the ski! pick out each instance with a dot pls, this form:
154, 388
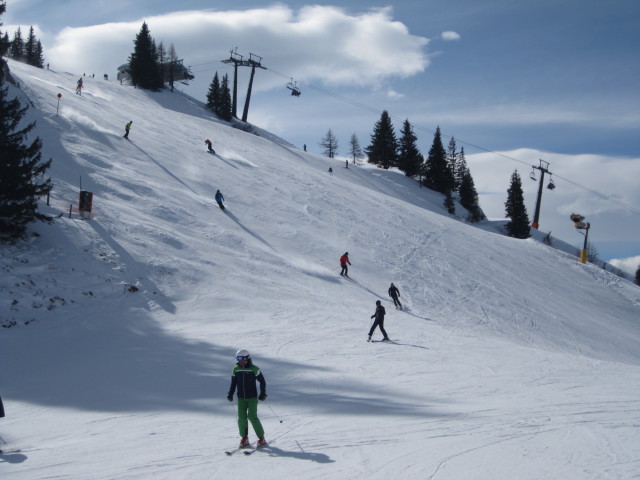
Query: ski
236, 450
246, 450
255, 449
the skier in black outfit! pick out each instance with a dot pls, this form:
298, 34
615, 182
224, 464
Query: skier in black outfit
219, 199
379, 321
395, 293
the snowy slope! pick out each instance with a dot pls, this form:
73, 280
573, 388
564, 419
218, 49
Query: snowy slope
511, 359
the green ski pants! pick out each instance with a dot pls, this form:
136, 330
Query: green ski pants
248, 412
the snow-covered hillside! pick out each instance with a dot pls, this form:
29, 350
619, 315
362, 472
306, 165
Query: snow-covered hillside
510, 359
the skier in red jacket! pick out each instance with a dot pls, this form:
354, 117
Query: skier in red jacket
344, 259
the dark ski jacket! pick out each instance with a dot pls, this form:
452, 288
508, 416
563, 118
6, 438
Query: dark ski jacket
394, 292
219, 197
244, 379
380, 313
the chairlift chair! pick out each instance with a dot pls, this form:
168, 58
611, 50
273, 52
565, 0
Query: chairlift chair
551, 185
295, 91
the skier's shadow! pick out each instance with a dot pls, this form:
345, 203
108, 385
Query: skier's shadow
253, 234
314, 457
226, 161
12, 457
366, 289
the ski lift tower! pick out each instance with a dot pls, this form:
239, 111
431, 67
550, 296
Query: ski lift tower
544, 168
237, 60
255, 62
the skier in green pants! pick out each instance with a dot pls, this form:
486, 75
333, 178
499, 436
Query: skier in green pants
244, 377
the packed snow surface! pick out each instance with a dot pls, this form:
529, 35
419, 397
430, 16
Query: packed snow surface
510, 360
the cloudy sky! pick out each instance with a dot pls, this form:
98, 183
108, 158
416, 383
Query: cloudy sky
513, 82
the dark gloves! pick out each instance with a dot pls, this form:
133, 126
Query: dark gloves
262, 397
372, 315
230, 397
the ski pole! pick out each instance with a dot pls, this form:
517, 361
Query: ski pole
274, 413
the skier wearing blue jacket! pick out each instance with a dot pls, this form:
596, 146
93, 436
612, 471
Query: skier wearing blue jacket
219, 199
243, 377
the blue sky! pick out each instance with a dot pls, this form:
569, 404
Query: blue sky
533, 79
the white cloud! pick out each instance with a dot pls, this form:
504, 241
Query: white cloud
629, 265
320, 43
393, 95
450, 36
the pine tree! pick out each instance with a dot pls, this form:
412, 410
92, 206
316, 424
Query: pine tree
143, 62
468, 194
21, 170
330, 144
355, 151
38, 58
452, 160
383, 150
16, 50
449, 203
460, 169
409, 157
213, 95
225, 108
5, 43
30, 47
437, 174
516, 210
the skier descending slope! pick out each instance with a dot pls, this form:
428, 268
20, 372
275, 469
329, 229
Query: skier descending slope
244, 377
344, 259
219, 199
394, 293
378, 322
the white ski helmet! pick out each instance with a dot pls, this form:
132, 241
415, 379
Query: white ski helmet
242, 354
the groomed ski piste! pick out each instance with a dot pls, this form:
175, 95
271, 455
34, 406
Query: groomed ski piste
510, 360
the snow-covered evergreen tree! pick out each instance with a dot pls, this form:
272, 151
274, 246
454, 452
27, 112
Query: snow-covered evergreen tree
437, 174
409, 157
22, 172
225, 107
213, 94
143, 62
16, 50
467, 191
516, 210
383, 150
452, 160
